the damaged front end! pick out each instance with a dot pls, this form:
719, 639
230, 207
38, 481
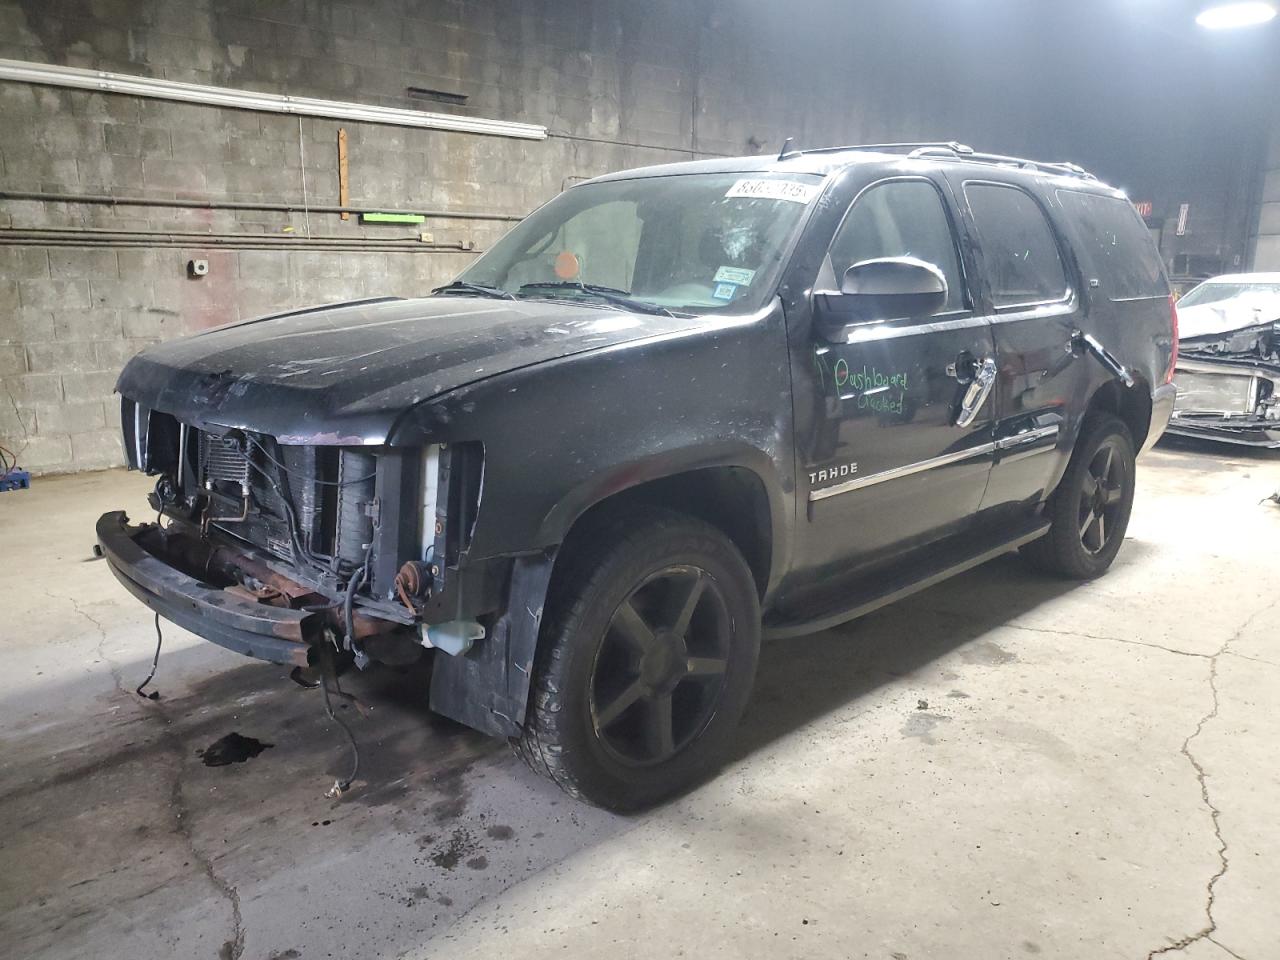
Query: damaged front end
291, 553
1229, 386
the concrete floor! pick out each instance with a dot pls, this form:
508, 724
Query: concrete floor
1004, 766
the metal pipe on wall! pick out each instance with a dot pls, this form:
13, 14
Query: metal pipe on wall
55, 75
193, 204
237, 241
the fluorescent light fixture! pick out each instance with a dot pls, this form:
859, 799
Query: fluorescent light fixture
1227, 16
56, 76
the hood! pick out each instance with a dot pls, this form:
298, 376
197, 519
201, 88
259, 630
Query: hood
1226, 316
341, 374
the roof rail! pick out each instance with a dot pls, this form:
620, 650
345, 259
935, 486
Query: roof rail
951, 145
950, 149
1063, 169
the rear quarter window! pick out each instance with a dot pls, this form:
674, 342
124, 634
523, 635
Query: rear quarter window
1115, 245
1019, 249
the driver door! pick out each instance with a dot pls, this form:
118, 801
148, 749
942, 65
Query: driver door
885, 467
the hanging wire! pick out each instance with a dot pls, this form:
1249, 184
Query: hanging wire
155, 662
339, 786
355, 583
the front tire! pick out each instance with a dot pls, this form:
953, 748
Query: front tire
1090, 508
645, 661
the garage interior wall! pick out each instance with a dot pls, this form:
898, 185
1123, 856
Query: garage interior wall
618, 83
1266, 250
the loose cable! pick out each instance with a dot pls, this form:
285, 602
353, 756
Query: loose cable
155, 663
155, 660
356, 582
339, 786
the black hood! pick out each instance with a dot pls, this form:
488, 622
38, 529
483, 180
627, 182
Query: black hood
341, 374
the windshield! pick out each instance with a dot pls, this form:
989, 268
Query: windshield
690, 243
1210, 292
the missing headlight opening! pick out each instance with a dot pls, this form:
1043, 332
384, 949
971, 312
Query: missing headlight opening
315, 556
320, 531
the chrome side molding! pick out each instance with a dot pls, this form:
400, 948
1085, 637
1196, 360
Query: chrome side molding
857, 483
1030, 436
1005, 443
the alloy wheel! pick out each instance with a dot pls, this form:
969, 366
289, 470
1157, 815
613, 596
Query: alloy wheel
1101, 497
660, 668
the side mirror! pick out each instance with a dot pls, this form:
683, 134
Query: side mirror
890, 288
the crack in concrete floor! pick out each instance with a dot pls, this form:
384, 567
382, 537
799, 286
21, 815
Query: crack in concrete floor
1215, 814
102, 635
233, 948
1211, 926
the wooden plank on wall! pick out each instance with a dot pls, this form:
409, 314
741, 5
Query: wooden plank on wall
344, 192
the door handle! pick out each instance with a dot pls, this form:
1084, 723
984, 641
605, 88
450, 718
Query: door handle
976, 394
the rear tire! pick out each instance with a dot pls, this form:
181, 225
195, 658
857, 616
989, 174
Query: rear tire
1090, 508
645, 661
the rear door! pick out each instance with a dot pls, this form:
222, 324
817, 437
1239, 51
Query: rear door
1030, 296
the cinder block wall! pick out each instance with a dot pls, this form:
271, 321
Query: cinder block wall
84, 286
619, 83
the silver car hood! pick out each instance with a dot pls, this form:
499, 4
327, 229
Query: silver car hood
1227, 316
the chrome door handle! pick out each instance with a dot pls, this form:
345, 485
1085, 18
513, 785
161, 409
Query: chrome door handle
976, 395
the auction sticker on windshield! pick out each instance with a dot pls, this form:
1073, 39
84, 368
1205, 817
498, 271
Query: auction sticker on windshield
791, 190
736, 275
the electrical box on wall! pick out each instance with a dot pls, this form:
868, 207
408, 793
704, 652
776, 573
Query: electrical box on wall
197, 268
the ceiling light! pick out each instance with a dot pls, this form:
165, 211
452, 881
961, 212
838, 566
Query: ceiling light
1225, 16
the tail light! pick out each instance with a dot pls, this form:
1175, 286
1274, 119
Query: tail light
1173, 331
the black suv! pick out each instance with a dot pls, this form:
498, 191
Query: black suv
673, 410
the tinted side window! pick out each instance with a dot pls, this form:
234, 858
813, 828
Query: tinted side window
1018, 246
1117, 245
901, 218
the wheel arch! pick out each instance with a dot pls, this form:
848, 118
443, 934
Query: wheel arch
732, 495
1131, 404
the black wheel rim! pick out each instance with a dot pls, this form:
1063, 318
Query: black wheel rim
660, 668
1101, 498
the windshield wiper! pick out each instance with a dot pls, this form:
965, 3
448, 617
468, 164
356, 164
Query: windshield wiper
621, 298
462, 286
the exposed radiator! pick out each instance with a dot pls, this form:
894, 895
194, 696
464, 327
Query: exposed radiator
319, 498
222, 462
355, 525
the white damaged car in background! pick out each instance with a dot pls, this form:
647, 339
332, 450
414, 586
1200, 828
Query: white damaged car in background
1228, 372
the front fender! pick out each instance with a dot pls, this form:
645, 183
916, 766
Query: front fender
561, 436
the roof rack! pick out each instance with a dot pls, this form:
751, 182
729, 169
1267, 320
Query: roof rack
950, 149
968, 153
940, 144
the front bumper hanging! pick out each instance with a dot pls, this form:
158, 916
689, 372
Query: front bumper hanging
276, 634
